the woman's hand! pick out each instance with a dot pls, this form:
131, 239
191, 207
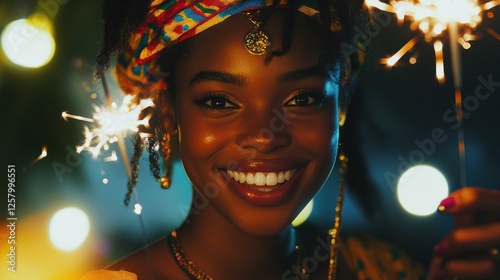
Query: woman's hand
471, 249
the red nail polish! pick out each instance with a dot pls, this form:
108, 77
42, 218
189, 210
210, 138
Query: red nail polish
442, 248
447, 203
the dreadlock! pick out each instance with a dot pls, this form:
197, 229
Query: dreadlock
288, 28
138, 149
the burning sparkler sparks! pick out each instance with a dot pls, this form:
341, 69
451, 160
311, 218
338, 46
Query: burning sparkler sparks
37, 159
433, 17
111, 123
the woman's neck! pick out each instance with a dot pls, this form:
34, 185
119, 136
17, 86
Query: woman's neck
223, 251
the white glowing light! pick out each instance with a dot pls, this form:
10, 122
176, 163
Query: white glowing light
420, 190
111, 124
304, 214
68, 229
137, 209
112, 157
436, 14
41, 156
438, 51
27, 44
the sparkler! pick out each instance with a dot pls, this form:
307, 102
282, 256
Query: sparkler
433, 17
111, 123
41, 156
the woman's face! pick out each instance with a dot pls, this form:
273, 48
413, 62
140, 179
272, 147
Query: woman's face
257, 139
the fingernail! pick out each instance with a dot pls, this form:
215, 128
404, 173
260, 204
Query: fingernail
447, 204
441, 248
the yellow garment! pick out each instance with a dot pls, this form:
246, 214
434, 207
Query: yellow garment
109, 275
370, 258
373, 259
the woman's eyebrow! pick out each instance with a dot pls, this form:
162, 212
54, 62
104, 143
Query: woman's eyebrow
300, 74
217, 76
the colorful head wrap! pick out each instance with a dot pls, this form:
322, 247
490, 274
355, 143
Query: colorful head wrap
169, 22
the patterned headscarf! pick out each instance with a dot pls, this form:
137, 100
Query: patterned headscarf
169, 22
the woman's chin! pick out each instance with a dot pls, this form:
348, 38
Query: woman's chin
263, 227
266, 232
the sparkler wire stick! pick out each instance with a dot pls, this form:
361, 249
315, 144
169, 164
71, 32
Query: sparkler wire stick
123, 151
457, 82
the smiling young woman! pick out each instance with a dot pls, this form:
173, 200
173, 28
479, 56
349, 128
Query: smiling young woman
255, 91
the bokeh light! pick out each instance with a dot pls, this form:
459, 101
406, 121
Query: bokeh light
68, 229
137, 209
28, 44
421, 188
304, 214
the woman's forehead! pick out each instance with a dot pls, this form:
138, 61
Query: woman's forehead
223, 45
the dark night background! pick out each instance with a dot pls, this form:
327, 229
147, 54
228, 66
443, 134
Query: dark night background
393, 108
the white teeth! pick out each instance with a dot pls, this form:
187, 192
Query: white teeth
271, 179
288, 175
250, 179
281, 177
242, 178
261, 178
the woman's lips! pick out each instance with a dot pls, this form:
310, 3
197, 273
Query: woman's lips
264, 183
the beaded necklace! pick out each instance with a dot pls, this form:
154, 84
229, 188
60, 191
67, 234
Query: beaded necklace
195, 273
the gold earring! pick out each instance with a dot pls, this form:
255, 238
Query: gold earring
256, 41
166, 150
334, 232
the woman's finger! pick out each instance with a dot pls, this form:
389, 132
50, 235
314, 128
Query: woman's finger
471, 200
434, 268
479, 238
465, 220
470, 268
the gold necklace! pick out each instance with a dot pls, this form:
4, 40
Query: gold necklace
196, 273
183, 261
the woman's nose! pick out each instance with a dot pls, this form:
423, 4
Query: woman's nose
265, 131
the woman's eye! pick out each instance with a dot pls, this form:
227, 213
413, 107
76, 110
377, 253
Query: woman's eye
216, 101
306, 98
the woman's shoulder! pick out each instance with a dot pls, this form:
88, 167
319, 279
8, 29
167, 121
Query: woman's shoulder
152, 262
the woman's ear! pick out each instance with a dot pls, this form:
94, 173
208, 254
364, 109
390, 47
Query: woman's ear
166, 110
